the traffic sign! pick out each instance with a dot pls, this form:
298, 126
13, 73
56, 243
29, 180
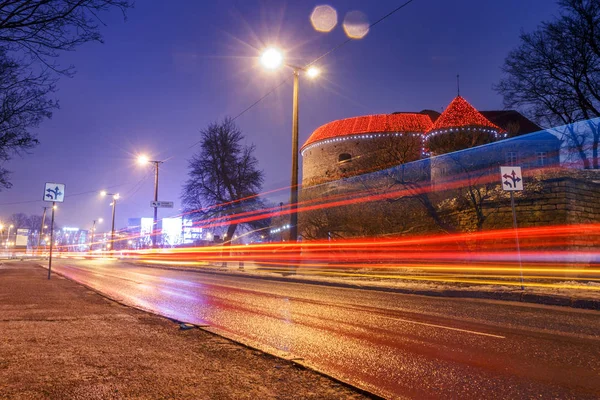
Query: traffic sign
161, 204
511, 178
54, 192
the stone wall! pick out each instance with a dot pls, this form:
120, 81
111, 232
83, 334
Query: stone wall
377, 208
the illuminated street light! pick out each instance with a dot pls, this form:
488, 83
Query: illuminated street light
312, 72
93, 231
271, 59
115, 197
8, 235
142, 159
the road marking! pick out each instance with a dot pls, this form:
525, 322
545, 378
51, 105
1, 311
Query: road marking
444, 327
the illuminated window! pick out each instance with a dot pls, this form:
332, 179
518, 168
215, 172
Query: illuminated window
541, 158
344, 158
511, 158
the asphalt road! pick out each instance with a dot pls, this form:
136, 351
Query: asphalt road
394, 345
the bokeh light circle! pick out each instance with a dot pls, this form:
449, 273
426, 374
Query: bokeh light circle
356, 25
324, 18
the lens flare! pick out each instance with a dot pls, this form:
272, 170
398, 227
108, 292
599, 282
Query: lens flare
356, 25
324, 18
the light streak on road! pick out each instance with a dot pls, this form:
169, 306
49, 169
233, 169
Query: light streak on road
480, 258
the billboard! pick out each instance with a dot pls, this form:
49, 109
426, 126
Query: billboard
22, 238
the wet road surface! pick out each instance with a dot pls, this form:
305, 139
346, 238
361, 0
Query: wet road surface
394, 345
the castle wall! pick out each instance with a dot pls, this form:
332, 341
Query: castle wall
354, 155
551, 198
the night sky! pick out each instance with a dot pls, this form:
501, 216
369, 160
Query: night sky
169, 70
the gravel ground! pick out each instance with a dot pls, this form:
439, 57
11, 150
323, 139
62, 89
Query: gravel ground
59, 340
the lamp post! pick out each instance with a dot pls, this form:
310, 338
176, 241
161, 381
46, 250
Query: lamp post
272, 59
144, 160
93, 231
41, 229
115, 197
8, 235
51, 239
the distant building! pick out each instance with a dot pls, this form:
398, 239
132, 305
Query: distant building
172, 231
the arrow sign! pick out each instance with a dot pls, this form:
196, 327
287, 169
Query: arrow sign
54, 192
511, 178
161, 204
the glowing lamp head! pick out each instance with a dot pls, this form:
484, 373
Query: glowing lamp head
100, 220
271, 58
143, 159
116, 196
313, 72
103, 193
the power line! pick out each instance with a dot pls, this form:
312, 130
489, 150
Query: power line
70, 195
311, 63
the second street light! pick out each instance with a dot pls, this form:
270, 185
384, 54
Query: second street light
144, 160
93, 231
8, 235
272, 59
115, 197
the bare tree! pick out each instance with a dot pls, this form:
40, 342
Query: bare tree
23, 105
32, 35
554, 75
35, 222
44, 28
224, 181
19, 221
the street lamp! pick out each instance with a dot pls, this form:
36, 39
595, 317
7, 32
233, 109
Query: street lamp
93, 231
8, 234
115, 197
272, 59
143, 160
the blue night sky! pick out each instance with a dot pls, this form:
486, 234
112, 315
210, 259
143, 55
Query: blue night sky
169, 70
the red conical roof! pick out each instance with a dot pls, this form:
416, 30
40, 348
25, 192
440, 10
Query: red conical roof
462, 114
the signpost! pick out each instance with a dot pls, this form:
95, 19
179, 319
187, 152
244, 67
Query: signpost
161, 204
55, 193
512, 181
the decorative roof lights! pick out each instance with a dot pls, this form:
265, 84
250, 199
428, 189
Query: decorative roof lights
369, 125
358, 137
462, 116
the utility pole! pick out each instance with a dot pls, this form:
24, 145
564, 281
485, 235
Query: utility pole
51, 240
92, 234
41, 229
112, 229
155, 220
115, 197
294, 180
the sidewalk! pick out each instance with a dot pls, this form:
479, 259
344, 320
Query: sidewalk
59, 340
